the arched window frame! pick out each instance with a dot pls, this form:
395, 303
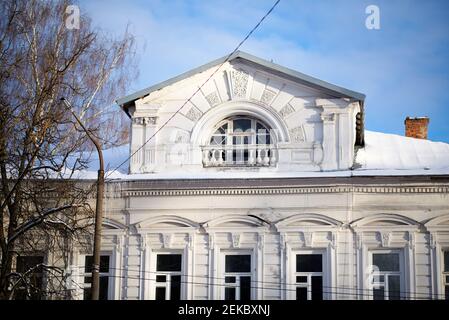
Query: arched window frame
249, 147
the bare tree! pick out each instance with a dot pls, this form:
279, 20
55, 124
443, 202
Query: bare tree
42, 208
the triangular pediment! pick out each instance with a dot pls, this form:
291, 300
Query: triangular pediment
241, 72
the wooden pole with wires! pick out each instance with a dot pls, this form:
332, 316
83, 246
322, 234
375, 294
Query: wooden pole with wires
98, 210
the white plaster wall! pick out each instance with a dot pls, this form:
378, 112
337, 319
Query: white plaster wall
346, 246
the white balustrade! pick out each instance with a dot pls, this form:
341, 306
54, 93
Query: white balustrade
262, 155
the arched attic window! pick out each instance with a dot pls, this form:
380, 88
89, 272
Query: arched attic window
240, 141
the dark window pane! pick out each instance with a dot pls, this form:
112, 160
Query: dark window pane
379, 294
88, 261
446, 261
88, 279
394, 287
229, 279
317, 288
309, 263
447, 292
242, 125
160, 293
447, 279
386, 261
104, 286
301, 279
25, 263
104, 264
238, 263
229, 293
87, 294
161, 278
245, 288
175, 288
301, 293
168, 262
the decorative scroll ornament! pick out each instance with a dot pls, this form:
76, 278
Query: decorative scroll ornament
236, 240
282, 241
261, 241
385, 239
143, 242
327, 117
190, 241
411, 240
308, 239
211, 241
167, 240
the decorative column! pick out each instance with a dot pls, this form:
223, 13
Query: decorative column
149, 157
329, 142
137, 136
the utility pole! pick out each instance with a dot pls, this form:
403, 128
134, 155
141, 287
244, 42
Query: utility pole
99, 208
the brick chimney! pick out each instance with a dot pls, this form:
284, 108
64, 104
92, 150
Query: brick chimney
416, 127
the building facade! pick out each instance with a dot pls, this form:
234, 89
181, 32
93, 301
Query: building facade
265, 185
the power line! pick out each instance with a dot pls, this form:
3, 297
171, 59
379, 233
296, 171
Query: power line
333, 290
199, 88
338, 289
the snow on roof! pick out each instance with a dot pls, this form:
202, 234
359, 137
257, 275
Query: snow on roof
383, 155
384, 151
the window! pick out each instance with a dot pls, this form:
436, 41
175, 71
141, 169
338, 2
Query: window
237, 277
168, 277
240, 141
105, 278
309, 276
32, 266
446, 274
387, 276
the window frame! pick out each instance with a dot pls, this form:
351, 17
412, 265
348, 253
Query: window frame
293, 273
153, 273
111, 274
168, 274
401, 273
40, 274
238, 275
239, 150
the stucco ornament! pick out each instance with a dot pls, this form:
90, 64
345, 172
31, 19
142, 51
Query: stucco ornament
239, 83
297, 135
213, 99
194, 114
267, 96
286, 110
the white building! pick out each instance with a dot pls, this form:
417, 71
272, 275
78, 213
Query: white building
265, 185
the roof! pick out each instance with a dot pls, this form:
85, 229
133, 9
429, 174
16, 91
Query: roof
293, 75
383, 155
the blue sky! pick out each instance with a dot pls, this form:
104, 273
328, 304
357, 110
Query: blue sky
403, 68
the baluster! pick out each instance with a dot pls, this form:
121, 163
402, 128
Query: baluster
206, 157
266, 158
220, 158
251, 156
273, 156
259, 158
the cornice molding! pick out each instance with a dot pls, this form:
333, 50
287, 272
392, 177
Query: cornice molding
283, 190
